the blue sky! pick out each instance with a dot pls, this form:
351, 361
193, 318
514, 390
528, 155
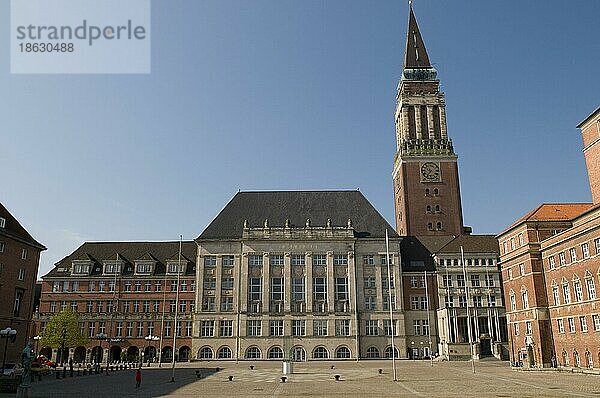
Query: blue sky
279, 94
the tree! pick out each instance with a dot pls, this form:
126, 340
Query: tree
62, 331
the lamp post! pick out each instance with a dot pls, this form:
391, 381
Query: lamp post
7, 333
102, 336
149, 338
37, 339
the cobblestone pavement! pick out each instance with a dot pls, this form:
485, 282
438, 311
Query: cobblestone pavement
414, 379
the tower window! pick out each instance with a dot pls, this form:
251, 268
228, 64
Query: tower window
438, 226
430, 226
427, 192
437, 208
428, 209
436, 192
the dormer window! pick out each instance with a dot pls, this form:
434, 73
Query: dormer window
112, 267
144, 267
81, 267
2, 222
175, 267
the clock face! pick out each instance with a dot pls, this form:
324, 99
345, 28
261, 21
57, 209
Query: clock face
430, 171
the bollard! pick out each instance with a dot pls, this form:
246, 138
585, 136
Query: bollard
283, 379
230, 378
64, 372
337, 377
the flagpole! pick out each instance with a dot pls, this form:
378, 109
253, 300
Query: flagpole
428, 319
462, 255
176, 311
387, 249
162, 321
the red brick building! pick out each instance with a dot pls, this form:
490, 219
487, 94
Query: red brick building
125, 290
550, 262
19, 261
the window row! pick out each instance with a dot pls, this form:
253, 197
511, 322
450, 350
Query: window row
469, 262
582, 321
124, 286
511, 243
275, 327
24, 252
121, 329
126, 306
297, 353
476, 301
561, 294
574, 254
476, 280
257, 260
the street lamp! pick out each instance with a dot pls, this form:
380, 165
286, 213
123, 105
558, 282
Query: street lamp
102, 336
150, 338
37, 339
7, 333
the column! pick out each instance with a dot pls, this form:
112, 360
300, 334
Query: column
287, 281
218, 276
430, 122
330, 283
266, 299
418, 122
405, 134
242, 285
308, 283
443, 132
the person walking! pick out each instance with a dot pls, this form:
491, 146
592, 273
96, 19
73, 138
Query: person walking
138, 378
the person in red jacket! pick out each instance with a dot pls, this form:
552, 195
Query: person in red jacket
138, 377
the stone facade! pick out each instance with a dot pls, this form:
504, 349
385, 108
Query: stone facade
19, 261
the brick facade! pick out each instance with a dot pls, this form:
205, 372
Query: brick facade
19, 261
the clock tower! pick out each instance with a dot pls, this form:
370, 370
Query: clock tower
426, 188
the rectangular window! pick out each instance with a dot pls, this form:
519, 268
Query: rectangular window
369, 260
551, 262
210, 261
22, 274
585, 250
298, 327
319, 259
597, 244
425, 327
460, 279
477, 301
188, 328
341, 289
17, 302
130, 329
75, 286
210, 283
24, 254
276, 259
562, 259
207, 328
387, 327
555, 295
208, 304
277, 289
158, 286
370, 303
298, 259
319, 289
386, 302
276, 327
255, 289
475, 282
384, 281
183, 286
491, 301
226, 328
254, 328
583, 323
2, 222
529, 327
417, 327
2, 246
227, 283
226, 304
126, 306
573, 254
320, 327
371, 327
561, 325
596, 320
92, 328
447, 280
340, 259
449, 301
227, 261
156, 307
567, 293
578, 291
516, 328
255, 260
489, 281
369, 282
342, 327
119, 328
591, 288
182, 306
571, 325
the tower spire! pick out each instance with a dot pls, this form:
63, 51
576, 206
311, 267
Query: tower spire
415, 56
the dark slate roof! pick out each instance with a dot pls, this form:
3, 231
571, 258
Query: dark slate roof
417, 251
297, 207
13, 229
128, 252
415, 55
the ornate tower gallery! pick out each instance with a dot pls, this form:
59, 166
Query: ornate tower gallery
426, 187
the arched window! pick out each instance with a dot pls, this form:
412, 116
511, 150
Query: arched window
388, 352
275, 353
372, 352
224, 353
426, 191
428, 209
576, 359
342, 352
430, 226
205, 353
437, 208
439, 226
436, 192
320, 353
565, 358
253, 353
525, 298
589, 359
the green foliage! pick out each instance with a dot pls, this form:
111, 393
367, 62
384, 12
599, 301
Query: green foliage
62, 331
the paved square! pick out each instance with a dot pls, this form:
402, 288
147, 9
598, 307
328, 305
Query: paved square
415, 378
